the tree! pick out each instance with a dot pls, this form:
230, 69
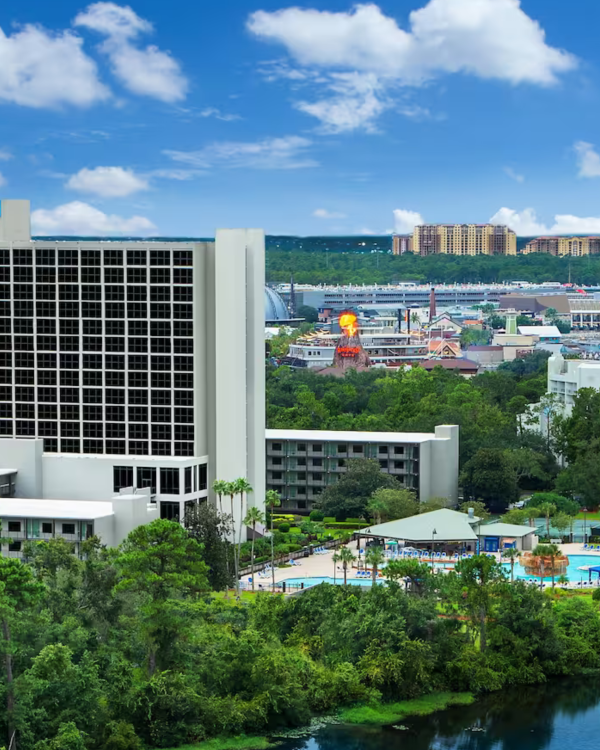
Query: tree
543, 551
242, 488
310, 314
490, 475
335, 558
516, 516
350, 495
480, 576
163, 565
272, 500
19, 594
346, 557
219, 487
546, 510
531, 513
389, 505
253, 516
518, 405
213, 530
416, 574
374, 557
561, 522
434, 503
479, 509
512, 555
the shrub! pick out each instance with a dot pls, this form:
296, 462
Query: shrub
317, 516
596, 595
286, 549
283, 527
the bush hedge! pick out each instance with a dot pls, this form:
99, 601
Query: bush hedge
283, 527
317, 516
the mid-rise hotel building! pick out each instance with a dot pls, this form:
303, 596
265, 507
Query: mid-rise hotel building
463, 239
561, 246
130, 364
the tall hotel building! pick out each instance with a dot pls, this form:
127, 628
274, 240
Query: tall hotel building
463, 239
130, 364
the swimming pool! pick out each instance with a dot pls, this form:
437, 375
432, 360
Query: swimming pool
573, 573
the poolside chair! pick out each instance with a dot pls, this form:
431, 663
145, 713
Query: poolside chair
438, 555
586, 546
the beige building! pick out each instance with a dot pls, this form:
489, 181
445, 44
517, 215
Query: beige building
402, 243
574, 246
464, 239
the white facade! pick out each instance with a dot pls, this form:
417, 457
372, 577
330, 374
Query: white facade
132, 354
74, 521
567, 376
301, 463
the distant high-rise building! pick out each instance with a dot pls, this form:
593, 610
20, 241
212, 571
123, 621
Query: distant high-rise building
402, 243
464, 239
560, 246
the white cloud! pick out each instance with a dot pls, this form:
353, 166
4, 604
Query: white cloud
78, 218
2, 180
405, 221
490, 39
40, 69
323, 213
149, 71
107, 182
5, 154
588, 159
218, 115
526, 223
178, 174
271, 153
513, 174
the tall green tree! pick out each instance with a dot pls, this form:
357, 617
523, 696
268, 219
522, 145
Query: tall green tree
253, 516
512, 555
242, 488
273, 501
163, 565
20, 593
346, 557
388, 505
213, 530
491, 476
374, 557
481, 577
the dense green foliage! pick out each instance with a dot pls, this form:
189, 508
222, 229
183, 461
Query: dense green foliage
128, 648
497, 455
381, 268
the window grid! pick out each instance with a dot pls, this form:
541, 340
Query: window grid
66, 315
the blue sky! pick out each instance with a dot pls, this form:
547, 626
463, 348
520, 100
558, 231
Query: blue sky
316, 118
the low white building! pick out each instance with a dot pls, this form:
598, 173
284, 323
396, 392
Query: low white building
73, 520
302, 463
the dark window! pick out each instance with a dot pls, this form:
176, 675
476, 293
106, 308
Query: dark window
69, 396
276, 447
317, 447
114, 362
6, 428
137, 379
184, 416
183, 276
92, 361
138, 432
160, 346
43, 326
383, 449
160, 379
161, 398
47, 411
137, 310
183, 364
69, 377
203, 477
93, 446
184, 449
383, 463
138, 448
137, 345
113, 257
91, 309
398, 464
138, 396
68, 528
158, 310
69, 343
136, 258
68, 275
68, 257
69, 429
115, 413
50, 445
25, 325
45, 275
24, 394
115, 396
22, 257
160, 294
138, 328
169, 481
92, 413
317, 462
115, 447
169, 511
161, 432
160, 257
182, 258
160, 363
160, 275
183, 312
92, 396
14, 546
14, 526
136, 276
24, 344
183, 294
92, 343
115, 379
70, 446
47, 395
184, 398
137, 362
46, 527
24, 411
184, 432
114, 293
161, 448
184, 380
93, 430
188, 480
91, 276
69, 361
357, 449
160, 414
45, 291
92, 327
146, 477
342, 448
122, 477
138, 414
115, 327
68, 292
183, 328
115, 431
90, 257
24, 377
114, 276
399, 450
114, 310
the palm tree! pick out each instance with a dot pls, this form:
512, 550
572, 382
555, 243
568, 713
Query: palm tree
547, 550
375, 557
511, 554
414, 318
531, 514
241, 487
335, 559
547, 509
345, 556
219, 487
273, 501
253, 516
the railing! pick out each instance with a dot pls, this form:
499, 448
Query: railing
304, 552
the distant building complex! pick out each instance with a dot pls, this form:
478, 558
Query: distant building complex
560, 246
301, 463
463, 239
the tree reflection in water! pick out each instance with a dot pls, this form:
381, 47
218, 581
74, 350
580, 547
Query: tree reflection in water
522, 719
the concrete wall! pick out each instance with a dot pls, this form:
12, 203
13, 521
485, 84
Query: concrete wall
444, 466
26, 456
15, 223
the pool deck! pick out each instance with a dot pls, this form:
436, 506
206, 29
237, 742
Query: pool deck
318, 566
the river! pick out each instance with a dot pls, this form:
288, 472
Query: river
563, 715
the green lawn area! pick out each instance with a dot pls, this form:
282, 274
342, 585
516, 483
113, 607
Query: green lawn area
246, 596
230, 743
595, 516
390, 713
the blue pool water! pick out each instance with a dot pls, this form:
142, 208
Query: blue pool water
573, 573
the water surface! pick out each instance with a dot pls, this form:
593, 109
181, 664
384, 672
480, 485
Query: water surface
561, 716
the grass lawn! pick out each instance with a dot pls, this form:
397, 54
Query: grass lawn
246, 596
595, 516
390, 713
230, 743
